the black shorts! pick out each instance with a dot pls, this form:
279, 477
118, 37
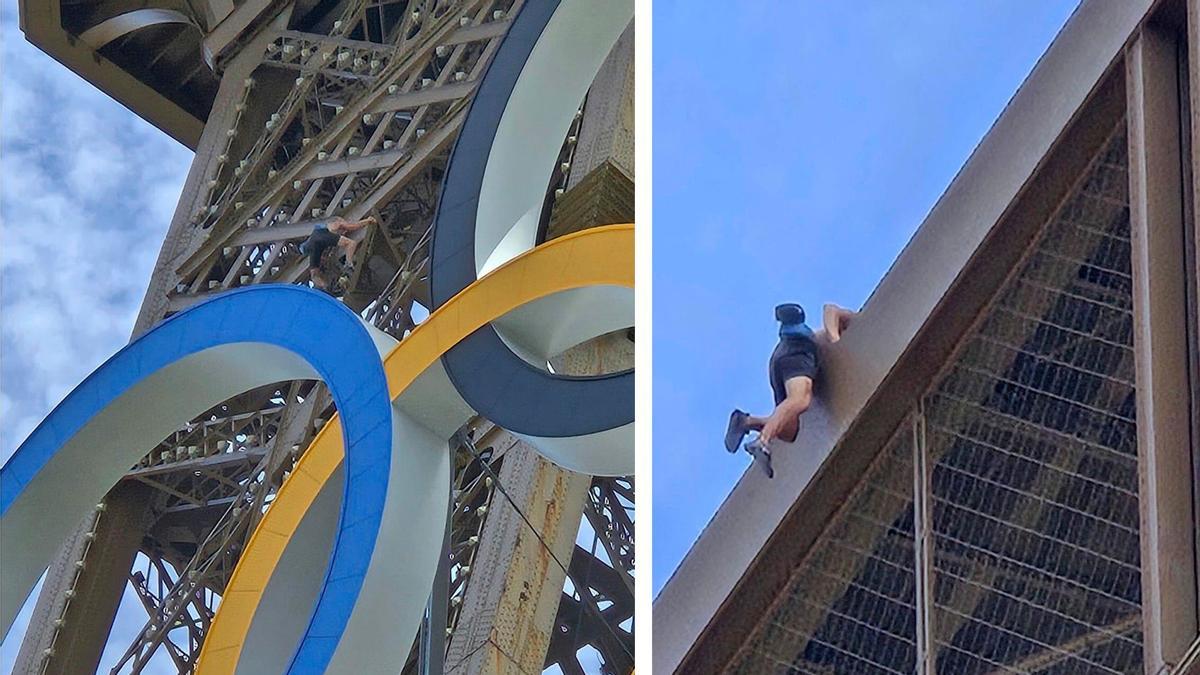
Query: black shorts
317, 242
793, 357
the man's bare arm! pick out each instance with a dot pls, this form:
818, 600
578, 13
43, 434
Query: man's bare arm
836, 319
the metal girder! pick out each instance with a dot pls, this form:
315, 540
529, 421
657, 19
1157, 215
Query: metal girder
233, 492
1161, 334
601, 575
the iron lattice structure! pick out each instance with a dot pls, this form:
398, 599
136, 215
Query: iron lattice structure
998, 531
351, 112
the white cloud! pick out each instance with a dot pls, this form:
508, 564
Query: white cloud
87, 190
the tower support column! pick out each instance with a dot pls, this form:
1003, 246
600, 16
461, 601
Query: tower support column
1161, 344
84, 586
76, 631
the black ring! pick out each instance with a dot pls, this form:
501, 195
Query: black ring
493, 380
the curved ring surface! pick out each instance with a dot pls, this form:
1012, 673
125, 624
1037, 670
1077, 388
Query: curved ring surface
177, 370
491, 203
592, 258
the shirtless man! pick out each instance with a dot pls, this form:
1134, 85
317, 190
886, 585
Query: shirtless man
793, 369
325, 235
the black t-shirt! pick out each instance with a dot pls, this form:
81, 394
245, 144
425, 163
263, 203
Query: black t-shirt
794, 356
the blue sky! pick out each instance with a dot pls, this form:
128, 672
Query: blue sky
797, 146
87, 190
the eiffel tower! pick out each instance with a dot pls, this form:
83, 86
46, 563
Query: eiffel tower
298, 111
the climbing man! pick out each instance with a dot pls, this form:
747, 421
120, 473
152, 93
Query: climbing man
793, 370
325, 236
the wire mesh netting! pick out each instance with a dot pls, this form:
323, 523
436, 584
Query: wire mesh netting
849, 608
1030, 431
1033, 439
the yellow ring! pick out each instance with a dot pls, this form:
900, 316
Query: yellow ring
600, 256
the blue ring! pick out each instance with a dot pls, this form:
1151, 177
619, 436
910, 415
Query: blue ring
305, 323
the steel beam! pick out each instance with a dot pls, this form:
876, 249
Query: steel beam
1191, 216
1160, 346
71, 623
516, 581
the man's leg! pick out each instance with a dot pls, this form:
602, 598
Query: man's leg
348, 246
739, 424
784, 422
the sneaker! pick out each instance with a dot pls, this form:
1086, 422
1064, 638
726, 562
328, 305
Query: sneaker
736, 430
761, 455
